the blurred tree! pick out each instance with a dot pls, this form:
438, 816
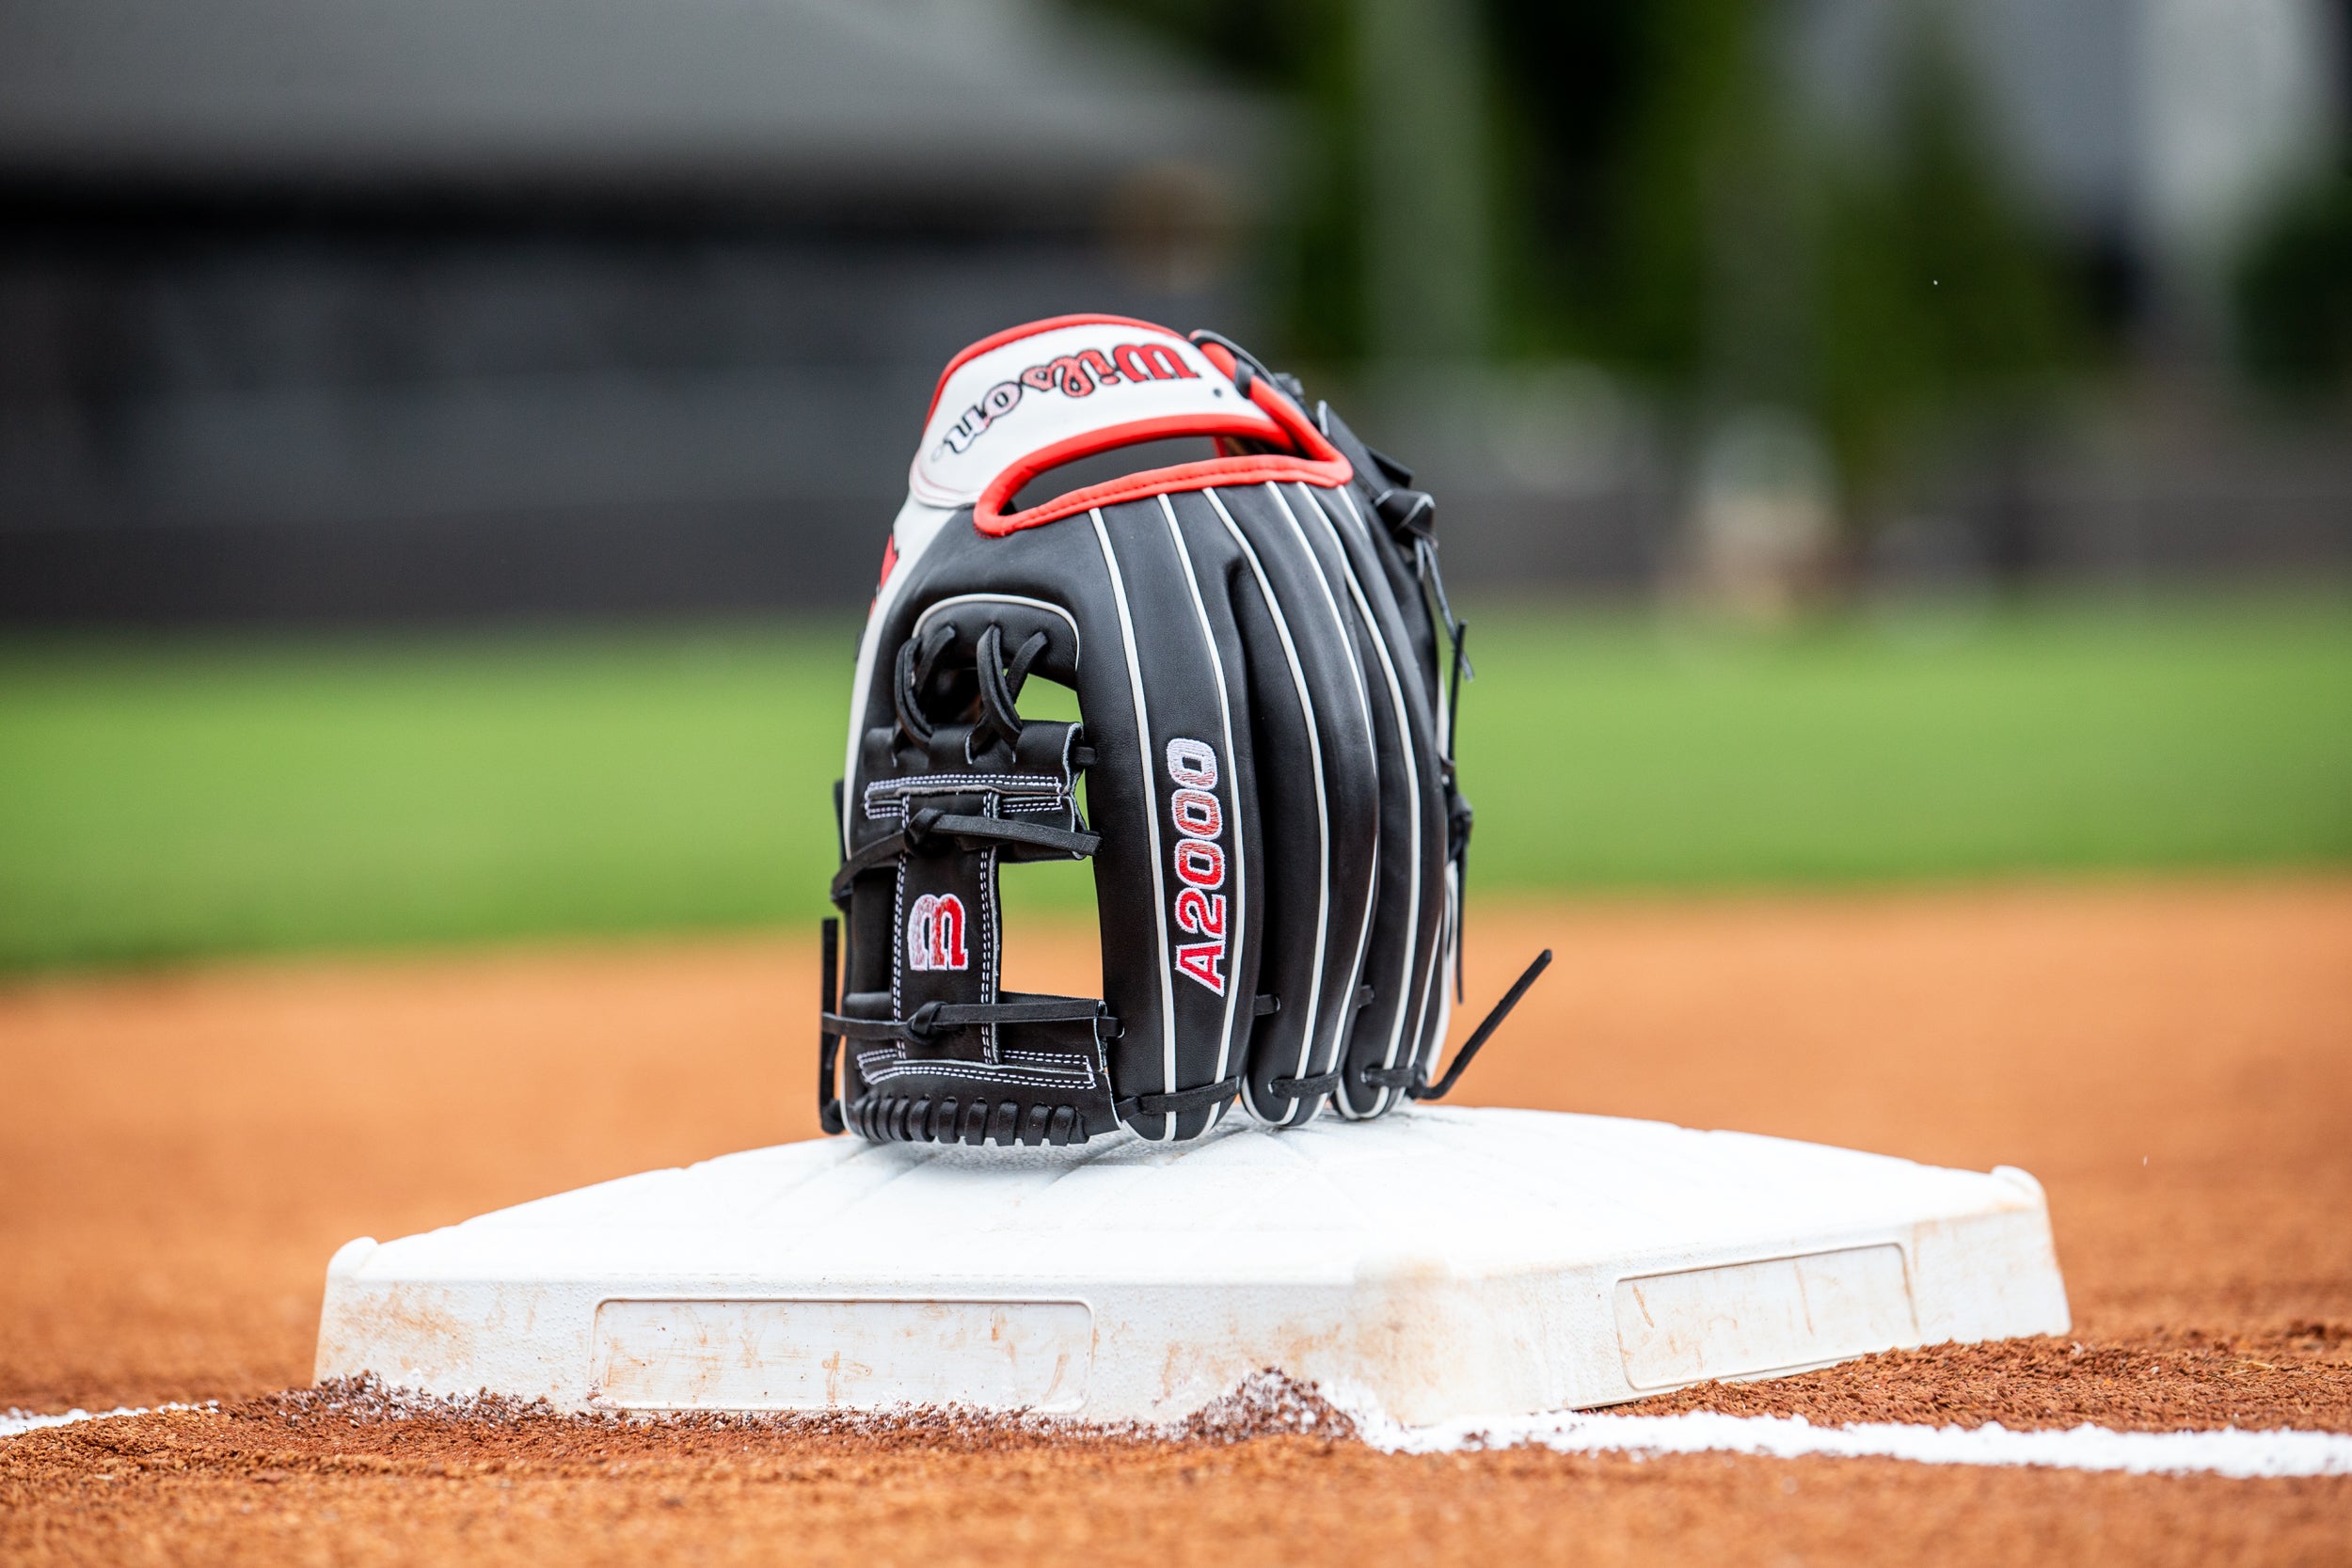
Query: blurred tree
1611, 118
2293, 292
1662, 204
1703, 233
1305, 51
1420, 125
1383, 244
1940, 303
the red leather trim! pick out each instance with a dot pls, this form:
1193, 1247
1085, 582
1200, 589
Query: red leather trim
1030, 329
1321, 465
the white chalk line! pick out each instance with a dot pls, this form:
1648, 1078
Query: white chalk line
16, 1423
2229, 1452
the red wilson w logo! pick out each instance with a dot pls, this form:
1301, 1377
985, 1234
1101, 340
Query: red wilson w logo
935, 933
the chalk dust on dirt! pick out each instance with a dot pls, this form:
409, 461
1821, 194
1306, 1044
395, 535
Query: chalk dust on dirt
2173, 1061
1268, 1403
251, 1484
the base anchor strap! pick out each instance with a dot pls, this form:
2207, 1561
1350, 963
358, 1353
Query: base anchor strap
1304, 1088
1180, 1101
861, 1028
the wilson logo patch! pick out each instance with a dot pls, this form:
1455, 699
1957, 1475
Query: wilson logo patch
1072, 375
1200, 861
935, 933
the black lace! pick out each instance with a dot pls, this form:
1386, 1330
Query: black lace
1000, 683
829, 1115
931, 828
1303, 1088
1458, 815
1405, 1078
1000, 686
1411, 515
934, 1019
1249, 366
1180, 1101
915, 666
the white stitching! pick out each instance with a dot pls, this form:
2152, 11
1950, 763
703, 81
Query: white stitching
967, 784
1081, 1076
897, 937
1034, 805
988, 931
1012, 1079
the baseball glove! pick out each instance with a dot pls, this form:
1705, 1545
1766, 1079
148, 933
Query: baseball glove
1263, 773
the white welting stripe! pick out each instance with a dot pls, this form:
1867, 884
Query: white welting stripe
1322, 801
1237, 923
1150, 813
2243, 1455
1346, 1024
1387, 1097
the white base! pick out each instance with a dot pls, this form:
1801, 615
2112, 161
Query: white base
1435, 1264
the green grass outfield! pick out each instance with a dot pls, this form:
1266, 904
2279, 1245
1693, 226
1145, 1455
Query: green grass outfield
167, 798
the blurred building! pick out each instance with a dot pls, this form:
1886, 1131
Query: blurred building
332, 308
2120, 155
402, 308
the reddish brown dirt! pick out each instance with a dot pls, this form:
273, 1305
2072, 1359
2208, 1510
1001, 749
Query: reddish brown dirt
2160, 1382
2174, 1062
208, 1488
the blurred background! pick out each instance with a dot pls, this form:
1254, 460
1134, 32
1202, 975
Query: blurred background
446, 445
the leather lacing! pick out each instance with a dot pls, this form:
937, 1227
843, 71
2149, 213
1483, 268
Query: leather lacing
934, 831
1000, 683
1411, 515
1407, 1079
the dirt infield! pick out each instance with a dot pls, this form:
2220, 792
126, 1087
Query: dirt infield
2173, 1061
195, 1488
